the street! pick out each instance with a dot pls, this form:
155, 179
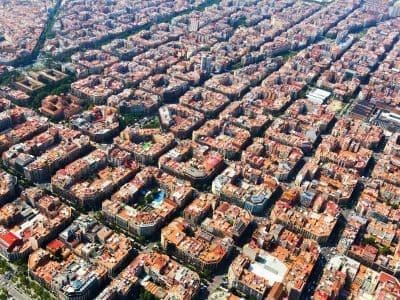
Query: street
13, 289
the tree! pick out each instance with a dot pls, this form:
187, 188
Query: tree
129, 119
146, 295
206, 274
141, 239
368, 241
149, 296
3, 293
385, 250
24, 280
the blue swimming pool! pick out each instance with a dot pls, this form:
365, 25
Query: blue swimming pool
158, 199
